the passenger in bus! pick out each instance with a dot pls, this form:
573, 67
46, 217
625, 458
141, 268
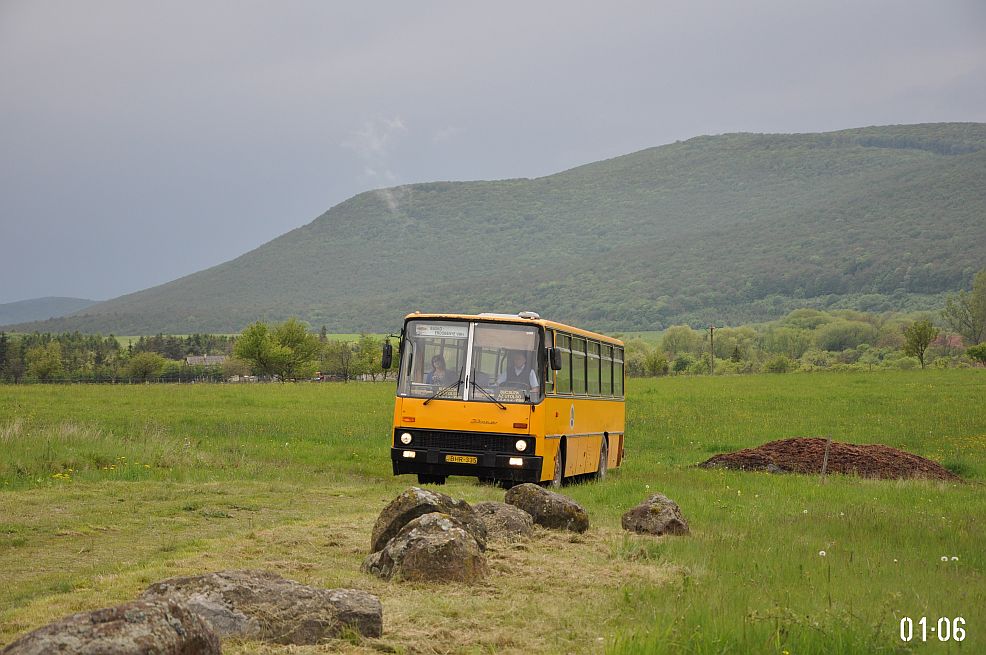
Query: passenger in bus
438, 373
520, 373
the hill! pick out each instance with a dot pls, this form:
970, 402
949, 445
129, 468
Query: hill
39, 309
721, 229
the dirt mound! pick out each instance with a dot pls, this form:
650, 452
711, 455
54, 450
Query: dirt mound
805, 455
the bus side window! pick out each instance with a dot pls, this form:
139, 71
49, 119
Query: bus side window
578, 365
564, 384
549, 375
593, 369
607, 370
618, 371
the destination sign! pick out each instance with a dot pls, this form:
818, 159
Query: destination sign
441, 331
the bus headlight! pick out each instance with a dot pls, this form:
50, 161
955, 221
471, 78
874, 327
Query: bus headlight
406, 438
521, 445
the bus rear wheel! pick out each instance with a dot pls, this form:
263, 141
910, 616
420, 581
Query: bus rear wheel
430, 479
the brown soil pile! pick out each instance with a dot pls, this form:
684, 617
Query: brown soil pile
805, 455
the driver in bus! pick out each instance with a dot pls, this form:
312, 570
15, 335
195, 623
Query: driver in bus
438, 373
520, 373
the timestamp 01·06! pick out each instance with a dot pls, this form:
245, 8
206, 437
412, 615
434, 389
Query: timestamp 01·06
945, 629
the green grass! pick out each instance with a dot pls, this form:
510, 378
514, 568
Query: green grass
104, 489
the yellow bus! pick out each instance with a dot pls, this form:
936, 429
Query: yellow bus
507, 398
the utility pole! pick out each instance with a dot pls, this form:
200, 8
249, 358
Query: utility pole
712, 349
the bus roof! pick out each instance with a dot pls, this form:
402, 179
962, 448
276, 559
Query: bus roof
525, 318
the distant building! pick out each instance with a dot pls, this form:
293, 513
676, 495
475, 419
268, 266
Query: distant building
205, 360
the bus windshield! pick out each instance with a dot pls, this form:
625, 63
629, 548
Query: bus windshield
476, 361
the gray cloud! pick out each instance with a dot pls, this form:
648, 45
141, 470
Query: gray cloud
142, 141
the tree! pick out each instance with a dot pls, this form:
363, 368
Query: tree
288, 350
792, 342
4, 347
302, 349
144, 366
16, 354
369, 356
843, 335
45, 362
679, 339
965, 313
635, 354
917, 337
258, 346
338, 359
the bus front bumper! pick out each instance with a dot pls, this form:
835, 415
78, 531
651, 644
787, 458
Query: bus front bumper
477, 465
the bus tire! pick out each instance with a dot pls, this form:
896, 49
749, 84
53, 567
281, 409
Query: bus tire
430, 479
603, 460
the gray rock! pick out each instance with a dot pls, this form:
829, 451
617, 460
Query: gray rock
658, 515
137, 628
435, 547
264, 606
504, 522
548, 508
415, 502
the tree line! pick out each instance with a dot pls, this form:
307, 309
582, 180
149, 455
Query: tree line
811, 339
804, 339
284, 352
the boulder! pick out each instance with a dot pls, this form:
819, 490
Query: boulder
549, 509
415, 502
135, 628
435, 547
504, 522
264, 606
657, 515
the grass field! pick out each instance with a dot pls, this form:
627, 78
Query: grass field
105, 489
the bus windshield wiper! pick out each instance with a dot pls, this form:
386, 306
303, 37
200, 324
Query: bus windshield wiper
447, 387
472, 380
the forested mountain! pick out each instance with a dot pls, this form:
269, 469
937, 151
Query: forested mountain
38, 309
722, 229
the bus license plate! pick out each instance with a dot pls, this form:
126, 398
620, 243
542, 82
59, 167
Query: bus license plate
462, 459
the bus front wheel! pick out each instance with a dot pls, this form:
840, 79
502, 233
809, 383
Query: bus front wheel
430, 479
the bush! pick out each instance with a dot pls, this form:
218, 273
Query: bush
779, 364
814, 360
700, 366
656, 364
977, 353
842, 335
906, 364
682, 363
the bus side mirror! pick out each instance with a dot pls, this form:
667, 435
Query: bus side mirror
554, 358
388, 356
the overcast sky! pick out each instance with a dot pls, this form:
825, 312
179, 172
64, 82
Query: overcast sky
142, 141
